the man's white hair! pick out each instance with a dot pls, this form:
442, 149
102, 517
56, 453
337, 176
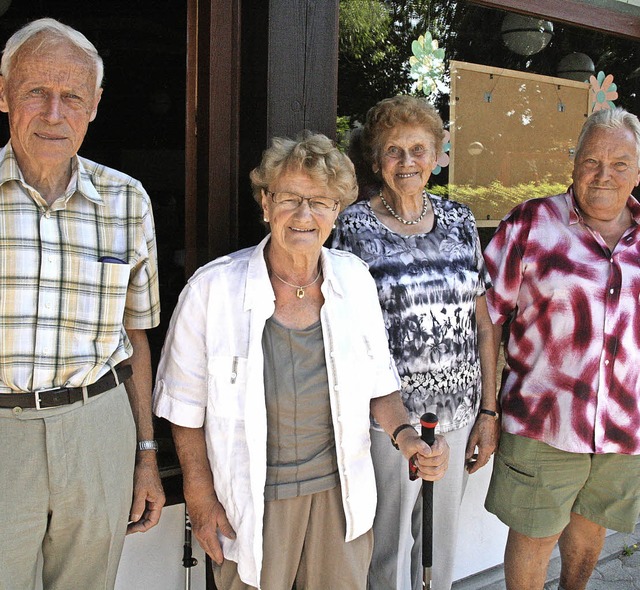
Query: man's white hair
616, 118
52, 30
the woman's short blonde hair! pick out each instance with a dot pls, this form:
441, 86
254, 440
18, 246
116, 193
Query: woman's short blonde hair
313, 154
399, 110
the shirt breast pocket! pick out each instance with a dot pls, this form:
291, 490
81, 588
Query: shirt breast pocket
94, 296
227, 383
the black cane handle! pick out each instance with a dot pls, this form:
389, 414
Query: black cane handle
428, 422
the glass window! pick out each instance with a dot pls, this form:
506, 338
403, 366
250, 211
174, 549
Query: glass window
515, 89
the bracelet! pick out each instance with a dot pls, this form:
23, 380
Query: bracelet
397, 431
147, 445
489, 413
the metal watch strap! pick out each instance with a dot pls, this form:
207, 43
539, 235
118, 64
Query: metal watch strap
147, 445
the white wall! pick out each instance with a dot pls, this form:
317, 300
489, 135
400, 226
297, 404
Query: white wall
153, 560
481, 536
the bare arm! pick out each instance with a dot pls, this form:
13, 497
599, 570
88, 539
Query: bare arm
205, 511
486, 431
148, 495
390, 413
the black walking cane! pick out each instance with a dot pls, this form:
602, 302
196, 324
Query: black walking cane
428, 422
188, 561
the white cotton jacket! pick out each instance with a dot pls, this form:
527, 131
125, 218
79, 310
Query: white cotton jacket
211, 374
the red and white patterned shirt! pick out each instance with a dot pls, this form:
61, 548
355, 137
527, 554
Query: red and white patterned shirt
572, 374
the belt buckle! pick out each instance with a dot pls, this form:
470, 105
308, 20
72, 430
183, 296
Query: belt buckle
37, 393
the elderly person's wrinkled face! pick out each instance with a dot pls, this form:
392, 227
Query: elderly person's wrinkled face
605, 172
407, 157
301, 212
50, 96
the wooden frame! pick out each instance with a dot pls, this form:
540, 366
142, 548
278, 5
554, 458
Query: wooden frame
572, 12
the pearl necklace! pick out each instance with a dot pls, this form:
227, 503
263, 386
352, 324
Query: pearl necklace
299, 288
425, 208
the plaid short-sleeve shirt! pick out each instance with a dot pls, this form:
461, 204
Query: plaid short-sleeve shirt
73, 276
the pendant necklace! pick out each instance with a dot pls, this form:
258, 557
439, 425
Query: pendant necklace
425, 208
299, 288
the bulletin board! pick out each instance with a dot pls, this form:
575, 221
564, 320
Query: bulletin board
510, 129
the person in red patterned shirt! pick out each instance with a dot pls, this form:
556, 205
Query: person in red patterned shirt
566, 284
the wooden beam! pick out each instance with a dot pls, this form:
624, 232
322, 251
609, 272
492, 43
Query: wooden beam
222, 140
573, 12
303, 67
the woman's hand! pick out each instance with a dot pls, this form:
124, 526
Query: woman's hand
206, 513
208, 516
483, 442
431, 463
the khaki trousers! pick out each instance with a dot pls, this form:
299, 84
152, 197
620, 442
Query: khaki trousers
304, 545
66, 477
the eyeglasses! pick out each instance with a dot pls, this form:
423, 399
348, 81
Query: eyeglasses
290, 201
397, 153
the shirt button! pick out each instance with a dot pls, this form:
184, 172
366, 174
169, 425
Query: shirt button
611, 291
606, 362
17, 410
47, 214
611, 260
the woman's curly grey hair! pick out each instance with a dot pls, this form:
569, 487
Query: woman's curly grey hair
313, 154
399, 110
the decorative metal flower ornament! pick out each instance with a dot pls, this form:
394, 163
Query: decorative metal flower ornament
427, 64
602, 92
443, 157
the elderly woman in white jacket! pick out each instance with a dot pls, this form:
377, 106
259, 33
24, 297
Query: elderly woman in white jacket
274, 359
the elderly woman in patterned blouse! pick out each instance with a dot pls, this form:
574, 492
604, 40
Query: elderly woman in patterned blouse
424, 254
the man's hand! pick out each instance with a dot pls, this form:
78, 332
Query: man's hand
148, 495
207, 516
484, 438
431, 462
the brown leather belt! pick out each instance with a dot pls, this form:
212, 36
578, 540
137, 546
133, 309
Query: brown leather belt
62, 396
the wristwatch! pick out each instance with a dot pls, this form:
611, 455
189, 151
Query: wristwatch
147, 445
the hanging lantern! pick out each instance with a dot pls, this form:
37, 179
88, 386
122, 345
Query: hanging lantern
526, 35
576, 66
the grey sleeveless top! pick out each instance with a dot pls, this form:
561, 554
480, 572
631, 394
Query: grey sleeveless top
301, 456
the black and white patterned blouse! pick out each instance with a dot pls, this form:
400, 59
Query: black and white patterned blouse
427, 286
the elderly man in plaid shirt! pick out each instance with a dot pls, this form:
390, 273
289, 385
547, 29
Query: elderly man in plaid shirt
78, 289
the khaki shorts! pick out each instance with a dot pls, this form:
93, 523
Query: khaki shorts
535, 488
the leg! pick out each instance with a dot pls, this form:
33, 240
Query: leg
285, 526
226, 577
91, 454
447, 497
526, 560
395, 548
580, 546
327, 561
24, 498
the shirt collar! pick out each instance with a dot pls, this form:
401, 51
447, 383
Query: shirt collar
258, 289
576, 217
80, 177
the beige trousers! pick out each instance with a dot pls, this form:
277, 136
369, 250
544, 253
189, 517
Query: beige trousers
66, 478
304, 545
